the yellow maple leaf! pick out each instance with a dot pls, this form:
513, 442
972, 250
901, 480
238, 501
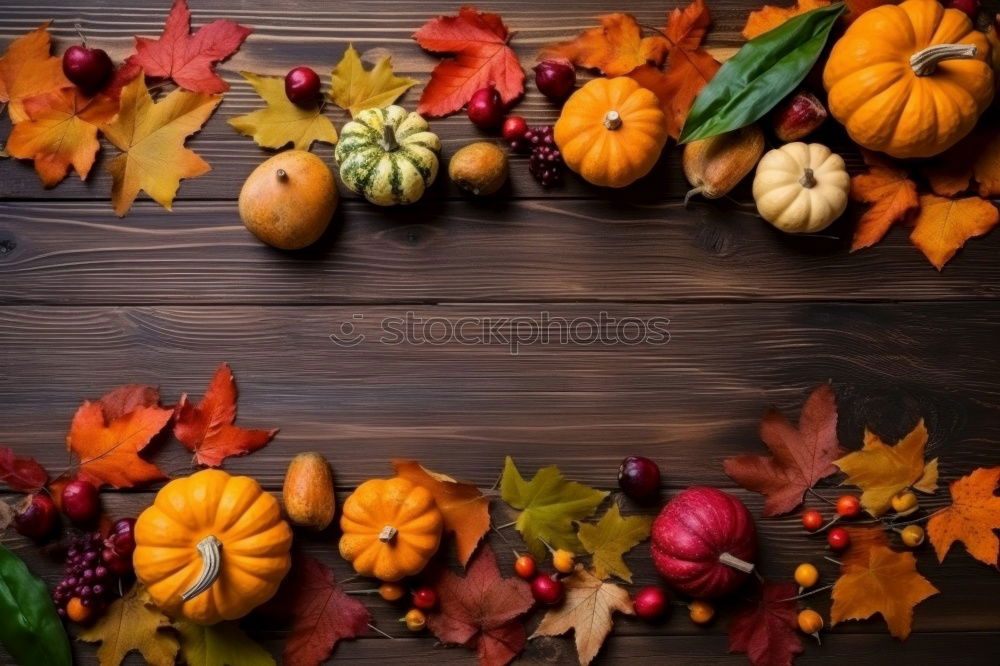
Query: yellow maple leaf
943, 225
60, 132
973, 516
282, 122
876, 579
769, 17
28, 68
151, 137
355, 89
132, 623
881, 470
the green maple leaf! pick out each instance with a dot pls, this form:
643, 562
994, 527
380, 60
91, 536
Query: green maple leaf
223, 644
610, 538
549, 507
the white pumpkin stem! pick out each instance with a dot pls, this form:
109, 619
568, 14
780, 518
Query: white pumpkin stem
808, 178
209, 549
612, 120
925, 61
387, 534
389, 142
731, 560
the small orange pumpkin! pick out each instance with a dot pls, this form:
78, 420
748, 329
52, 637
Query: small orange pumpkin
391, 528
212, 547
611, 131
911, 79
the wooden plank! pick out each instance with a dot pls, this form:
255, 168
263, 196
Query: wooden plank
688, 403
57, 252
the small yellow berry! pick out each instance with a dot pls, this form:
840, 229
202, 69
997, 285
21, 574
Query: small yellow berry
415, 619
563, 561
806, 575
702, 612
904, 502
391, 591
912, 535
810, 621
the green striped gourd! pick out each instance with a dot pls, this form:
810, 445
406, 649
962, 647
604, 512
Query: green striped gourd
388, 155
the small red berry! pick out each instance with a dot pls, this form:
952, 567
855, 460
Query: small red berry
425, 598
547, 590
812, 520
302, 86
848, 506
970, 7
650, 602
525, 566
639, 478
514, 128
838, 538
36, 516
555, 79
81, 502
485, 108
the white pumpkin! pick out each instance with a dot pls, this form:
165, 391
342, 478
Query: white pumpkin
801, 188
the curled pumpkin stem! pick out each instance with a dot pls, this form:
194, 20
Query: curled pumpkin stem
731, 560
210, 550
925, 61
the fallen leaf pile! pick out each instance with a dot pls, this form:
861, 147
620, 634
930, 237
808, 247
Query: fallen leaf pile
876, 579
801, 455
765, 628
972, 518
588, 609
478, 43
482, 610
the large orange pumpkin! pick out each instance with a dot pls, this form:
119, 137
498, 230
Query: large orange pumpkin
611, 131
212, 547
911, 79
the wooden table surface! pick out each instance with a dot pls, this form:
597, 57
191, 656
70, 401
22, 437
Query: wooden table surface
756, 318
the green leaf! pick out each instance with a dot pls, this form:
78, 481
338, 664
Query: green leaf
760, 75
223, 644
549, 506
30, 629
612, 537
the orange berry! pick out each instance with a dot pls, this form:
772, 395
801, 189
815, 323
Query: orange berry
415, 619
905, 502
806, 575
701, 612
391, 591
848, 506
812, 520
77, 612
563, 561
912, 535
810, 622
525, 567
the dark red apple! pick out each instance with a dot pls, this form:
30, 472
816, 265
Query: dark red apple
89, 69
81, 502
302, 86
36, 516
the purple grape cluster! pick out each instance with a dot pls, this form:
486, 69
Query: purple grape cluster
94, 566
546, 162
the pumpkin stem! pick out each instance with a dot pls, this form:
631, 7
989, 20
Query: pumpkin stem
387, 534
211, 566
389, 142
925, 61
808, 178
281, 174
731, 560
612, 120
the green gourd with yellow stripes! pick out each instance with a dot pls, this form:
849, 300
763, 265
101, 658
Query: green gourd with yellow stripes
389, 156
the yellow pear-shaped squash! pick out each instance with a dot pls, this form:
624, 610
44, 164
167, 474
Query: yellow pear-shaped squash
212, 547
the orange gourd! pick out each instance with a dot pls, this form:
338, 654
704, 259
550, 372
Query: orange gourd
611, 131
909, 80
212, 547
391, 528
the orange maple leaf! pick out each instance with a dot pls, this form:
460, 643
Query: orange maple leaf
943, 225
875, 579
615, 48
61, 132
465, 509
27, 68
973, 158
686, 27
770, 17
891, 191
973, 516
207, 428
109, 450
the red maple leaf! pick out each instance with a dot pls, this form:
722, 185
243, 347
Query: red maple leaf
482, 610
322, 613
207, 428
24, 475
801, 455
118, 402
479, 42
766, 630
187, 58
